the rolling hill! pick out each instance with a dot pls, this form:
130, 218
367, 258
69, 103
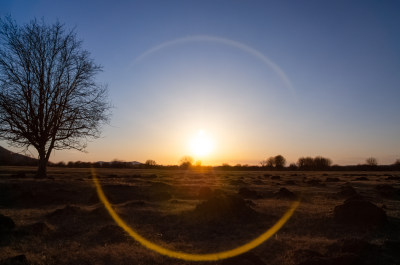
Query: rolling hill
9, 158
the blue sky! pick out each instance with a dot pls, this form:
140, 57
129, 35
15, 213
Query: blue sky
342, 59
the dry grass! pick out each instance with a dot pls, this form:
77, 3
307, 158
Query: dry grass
59, 220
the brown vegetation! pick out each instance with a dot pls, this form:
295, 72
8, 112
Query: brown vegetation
341, 219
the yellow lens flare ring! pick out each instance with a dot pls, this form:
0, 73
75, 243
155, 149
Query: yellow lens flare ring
191, 256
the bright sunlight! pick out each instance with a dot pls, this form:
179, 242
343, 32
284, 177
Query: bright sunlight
201, 144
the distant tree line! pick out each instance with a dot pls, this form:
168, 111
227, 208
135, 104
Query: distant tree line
112, 164
277, 162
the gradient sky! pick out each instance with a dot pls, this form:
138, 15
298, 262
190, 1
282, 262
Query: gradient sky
297, 78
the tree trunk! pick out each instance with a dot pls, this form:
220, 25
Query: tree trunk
42, 168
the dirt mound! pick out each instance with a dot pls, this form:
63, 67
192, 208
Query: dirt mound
332, 179
222, 207
72, 221
245, 259
160, 191
356, 197
391, 177
17, 260
392, 247
345, 259
135, 204
359, 212
258, 182
361, 179
134, 176
19, 175
388, 191
284, 193
6, 224
248, 193
356, 245
122, 193
160, 196
109, 234
237, 182
36, 229
347, 191
37, 194
9, 194
61, 215
290, 182
99, 213
314, 182
161, 186
205, 193
305, 254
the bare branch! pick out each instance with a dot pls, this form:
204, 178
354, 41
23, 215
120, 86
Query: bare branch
49, 98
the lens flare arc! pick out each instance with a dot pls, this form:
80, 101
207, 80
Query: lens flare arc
192, 256
232, 43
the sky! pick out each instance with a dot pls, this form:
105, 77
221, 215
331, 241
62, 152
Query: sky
243, 80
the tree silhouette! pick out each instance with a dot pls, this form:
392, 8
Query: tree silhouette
279, 161
269, 162
322, 163
396, 164
371, 161
186, 162
48, 95
150, 163
317, 163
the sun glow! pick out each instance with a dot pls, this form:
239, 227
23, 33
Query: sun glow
201, 145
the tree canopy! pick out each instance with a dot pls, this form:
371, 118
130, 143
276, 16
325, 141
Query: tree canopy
49, 98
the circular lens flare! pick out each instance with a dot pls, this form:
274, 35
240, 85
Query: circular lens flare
192, 256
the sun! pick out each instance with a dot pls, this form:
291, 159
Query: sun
201, 145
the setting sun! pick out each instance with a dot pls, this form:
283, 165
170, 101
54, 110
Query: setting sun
201, 145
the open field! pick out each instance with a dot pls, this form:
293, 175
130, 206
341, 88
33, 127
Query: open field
60, 220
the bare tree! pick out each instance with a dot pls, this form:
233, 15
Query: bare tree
150, 163
269, 162
186, 162
371, 161
274, 161
305, 163
49, 98
321, 163
317, 163
280, 161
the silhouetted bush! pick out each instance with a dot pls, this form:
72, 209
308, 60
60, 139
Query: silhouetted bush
317, 163
186, 162
277, 162
150, 163
371, 161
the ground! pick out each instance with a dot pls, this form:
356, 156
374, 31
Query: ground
60, 220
